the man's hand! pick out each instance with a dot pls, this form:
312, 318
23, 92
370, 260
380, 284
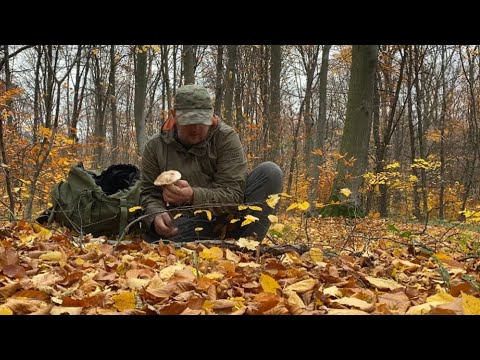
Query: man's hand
179, 193
163, 224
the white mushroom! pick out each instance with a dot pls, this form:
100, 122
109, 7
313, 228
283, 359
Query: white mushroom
167, 178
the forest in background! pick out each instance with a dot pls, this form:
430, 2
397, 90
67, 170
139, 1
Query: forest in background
389, 131
99, 103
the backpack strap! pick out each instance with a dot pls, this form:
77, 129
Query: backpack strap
123, 216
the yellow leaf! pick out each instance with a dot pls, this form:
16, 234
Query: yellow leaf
230, 255
177, 215
5, 311
301, 286
269, 284
52, 256
249, 264
294, 299
214, 253
471, 304
249, 244
304, 205
419, 309
79, 261
440, 298
208, 212
167, 273
124, 301
234, 221
345, 191
42, 232
214, 275
383, 284
273, 218
315, 254
134, 208
197, 229
332, 291
249, 219
242, 207
272, 200
292, 206
256, 208
354, 302
393, 165
346, 312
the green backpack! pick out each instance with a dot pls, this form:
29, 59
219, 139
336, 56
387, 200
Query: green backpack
89, 202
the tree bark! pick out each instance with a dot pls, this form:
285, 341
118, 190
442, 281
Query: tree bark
358, 120
189, 64
140, 96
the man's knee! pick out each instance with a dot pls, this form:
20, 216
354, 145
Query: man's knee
273, 174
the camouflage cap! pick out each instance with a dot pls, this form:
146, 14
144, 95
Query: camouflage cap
193, 105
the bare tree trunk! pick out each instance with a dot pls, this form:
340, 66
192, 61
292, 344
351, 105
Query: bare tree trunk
189, 64
230, 83
166, 77
219, 82
309, 56
441, 210
8, 85
416, 195
358, 120
100, 128
421, 145
140, 95
113, 102
36, 96
78, 92
274, 108
3, 152
322, 120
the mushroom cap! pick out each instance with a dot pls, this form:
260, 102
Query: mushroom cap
167, 178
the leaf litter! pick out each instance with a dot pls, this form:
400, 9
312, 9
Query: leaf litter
354, 267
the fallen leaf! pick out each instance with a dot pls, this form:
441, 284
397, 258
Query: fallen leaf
124, 301
471, 304
214, 253
383, 284
269, 284
301, 286
348, 301
346, 312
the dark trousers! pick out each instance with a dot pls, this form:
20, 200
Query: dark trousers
264, 180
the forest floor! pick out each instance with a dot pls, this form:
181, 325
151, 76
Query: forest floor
308, 266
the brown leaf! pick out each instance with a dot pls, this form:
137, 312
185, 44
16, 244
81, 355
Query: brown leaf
14, 271
97, 300
279, 309
23, 306
452, 308
63, 310
8, 290
32, 294
396, 303
346, 312
189, 311
8, 257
